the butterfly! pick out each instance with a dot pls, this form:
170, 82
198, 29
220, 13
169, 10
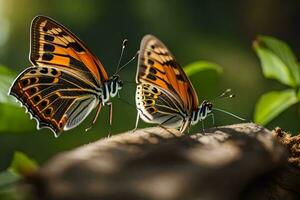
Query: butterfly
164, 94
66, 82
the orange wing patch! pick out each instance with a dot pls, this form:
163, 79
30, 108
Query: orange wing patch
158, 66
53, 44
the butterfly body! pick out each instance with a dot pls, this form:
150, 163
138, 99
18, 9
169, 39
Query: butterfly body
201, 113
66, 82
110, 89
164, 94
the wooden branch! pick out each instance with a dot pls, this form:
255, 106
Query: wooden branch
242, 161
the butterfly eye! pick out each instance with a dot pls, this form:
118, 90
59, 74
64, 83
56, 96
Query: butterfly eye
120, 83
115, 77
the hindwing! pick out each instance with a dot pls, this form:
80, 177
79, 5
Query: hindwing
56, 98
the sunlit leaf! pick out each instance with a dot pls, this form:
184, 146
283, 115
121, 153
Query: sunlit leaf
22, 165
199, 66
6, 79
274, 67
284, 52
278, 61
271, 104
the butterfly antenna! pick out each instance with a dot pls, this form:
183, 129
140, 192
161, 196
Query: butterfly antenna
229, 113
226, 94
124, 44
132, 59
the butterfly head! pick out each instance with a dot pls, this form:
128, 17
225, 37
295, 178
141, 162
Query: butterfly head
115, 84
204, 109
209, 106
116, 79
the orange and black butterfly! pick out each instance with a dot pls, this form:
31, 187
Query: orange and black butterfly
66, 82
164, 93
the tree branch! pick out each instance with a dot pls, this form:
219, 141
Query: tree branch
242, 161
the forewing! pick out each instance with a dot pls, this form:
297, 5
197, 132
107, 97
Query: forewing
57, 99
54, 45
157, 66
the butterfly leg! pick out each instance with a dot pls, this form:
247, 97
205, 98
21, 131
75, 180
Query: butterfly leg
96, 117
136, 122
110, 118
213, 120
203, 130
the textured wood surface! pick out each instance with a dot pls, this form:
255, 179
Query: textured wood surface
242, 161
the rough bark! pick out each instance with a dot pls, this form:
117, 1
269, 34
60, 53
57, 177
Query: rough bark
242, 161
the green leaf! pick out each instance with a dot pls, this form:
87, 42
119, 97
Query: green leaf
199, 66
22, 164
273, 67
6, 79
9, 178
278, 61
14, 120
271, 104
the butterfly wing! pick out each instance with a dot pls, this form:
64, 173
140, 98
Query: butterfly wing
158, 68
159, 106
57, 99
65, 83
53, 44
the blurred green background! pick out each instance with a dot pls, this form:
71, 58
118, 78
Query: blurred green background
218, 31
